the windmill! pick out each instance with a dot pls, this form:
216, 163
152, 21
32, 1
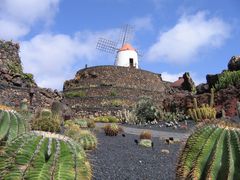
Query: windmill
126, 55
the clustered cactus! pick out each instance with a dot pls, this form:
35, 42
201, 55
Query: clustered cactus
46, 121
11, 124
43, 155
112, 129
212, 152
203, 112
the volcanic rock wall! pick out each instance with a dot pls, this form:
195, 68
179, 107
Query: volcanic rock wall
15, 85
107, 89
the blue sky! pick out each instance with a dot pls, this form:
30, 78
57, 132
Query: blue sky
58, 37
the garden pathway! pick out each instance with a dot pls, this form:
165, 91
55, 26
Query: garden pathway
155, 133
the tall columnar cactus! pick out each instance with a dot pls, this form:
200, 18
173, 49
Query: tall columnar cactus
212, 152
11, 124
212, 98
238, 109
42, 155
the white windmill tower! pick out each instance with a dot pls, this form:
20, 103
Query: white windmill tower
126, 56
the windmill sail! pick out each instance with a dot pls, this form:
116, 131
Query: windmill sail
106, 45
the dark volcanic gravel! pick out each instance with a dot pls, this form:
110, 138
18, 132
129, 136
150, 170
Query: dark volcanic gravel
162, 127
119, 158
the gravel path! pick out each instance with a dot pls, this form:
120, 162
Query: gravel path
155, 133
119, 158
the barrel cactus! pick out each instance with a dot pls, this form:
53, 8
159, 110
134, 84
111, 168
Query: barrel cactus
112, 129
81, 122
43, 155
11, 124
145, 142
212, 152
87, 140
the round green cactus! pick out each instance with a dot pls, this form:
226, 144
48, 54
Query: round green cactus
81, 122
145, 142
11, 124
212, 152
87, 140
42, 155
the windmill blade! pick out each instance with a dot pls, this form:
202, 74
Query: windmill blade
106, 45
126, 34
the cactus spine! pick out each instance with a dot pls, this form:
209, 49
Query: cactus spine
212, 152
41, 155
11, 124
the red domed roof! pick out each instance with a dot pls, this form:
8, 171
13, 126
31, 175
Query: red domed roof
126, 47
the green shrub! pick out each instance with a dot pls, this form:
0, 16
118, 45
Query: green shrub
75, 94
41, 155
113, 93
212, 152
227, 78
145, 110
238, 109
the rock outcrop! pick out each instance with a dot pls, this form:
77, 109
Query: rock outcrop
234, 63
15, 85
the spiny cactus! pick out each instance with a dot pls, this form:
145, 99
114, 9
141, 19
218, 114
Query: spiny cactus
11, 124
112, 129
145, 135
212, 152
81, 122
87, 140
212, 98
42, 155
204, 112
145, 142
238, 109
45, 121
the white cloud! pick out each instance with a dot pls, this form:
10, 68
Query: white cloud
142, 23
188, 37
172, 77
18, 16
52, 57
12, 30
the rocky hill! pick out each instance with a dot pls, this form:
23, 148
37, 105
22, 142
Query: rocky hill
15, 85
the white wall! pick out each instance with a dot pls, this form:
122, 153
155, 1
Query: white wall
123, 57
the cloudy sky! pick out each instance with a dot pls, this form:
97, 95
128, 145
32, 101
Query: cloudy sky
58, 37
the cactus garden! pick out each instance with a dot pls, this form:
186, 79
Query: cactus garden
119, 90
